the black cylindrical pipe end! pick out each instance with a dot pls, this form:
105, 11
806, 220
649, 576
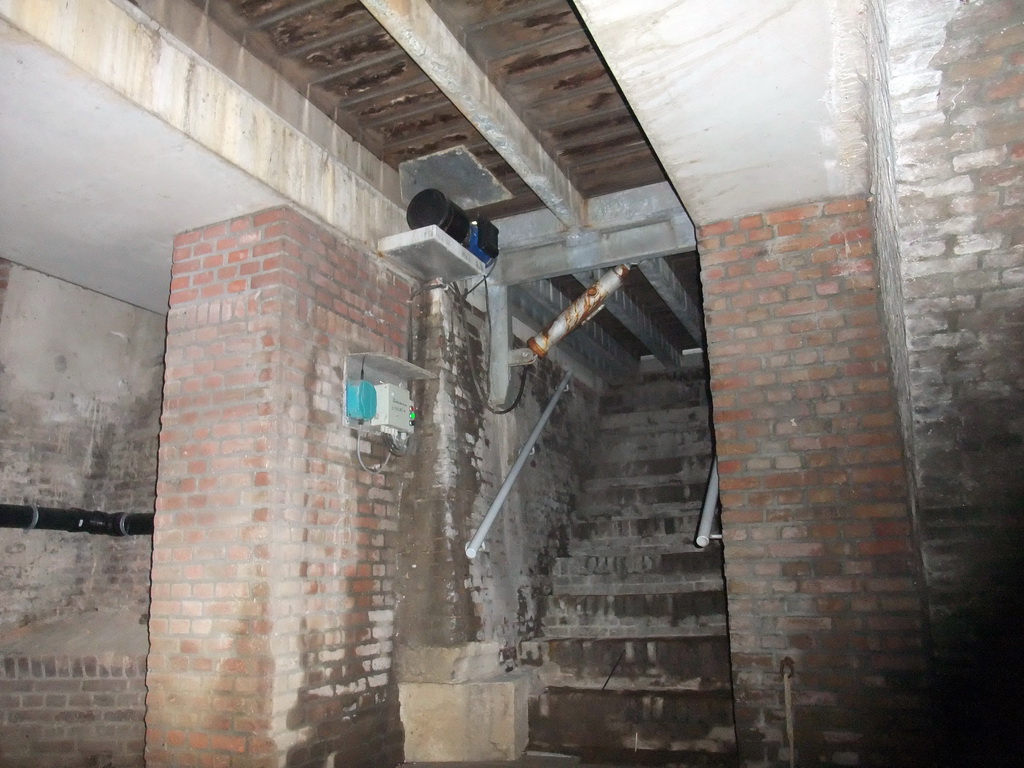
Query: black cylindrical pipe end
431, 206
29, 518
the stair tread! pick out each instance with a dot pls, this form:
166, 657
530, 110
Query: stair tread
647, 686
681, 693
638, 633
633, 585
603, 546
659, 480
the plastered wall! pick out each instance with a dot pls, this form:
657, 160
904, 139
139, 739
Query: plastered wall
79, 406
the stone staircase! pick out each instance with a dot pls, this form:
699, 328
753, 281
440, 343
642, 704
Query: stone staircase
635, 657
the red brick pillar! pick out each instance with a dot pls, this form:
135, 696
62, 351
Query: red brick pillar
272, 609
820, 555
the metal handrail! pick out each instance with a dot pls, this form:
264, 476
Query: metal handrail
478, 538
707, 512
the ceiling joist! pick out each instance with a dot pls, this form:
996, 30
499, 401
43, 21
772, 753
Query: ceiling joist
537, 304
424, 36
638, 322
686, 309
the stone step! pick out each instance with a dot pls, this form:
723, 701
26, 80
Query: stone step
526, 760
635, 584
683, 523
640, 492
708, 626
613, 449
689, 390
685, 420
595, 509
635, 725
676, 471
682, 563
687, 614
622, 546
676, 663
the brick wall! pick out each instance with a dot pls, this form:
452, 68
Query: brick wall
953, 160
72, 694
821, 565
79, 408
272, 614
958, 71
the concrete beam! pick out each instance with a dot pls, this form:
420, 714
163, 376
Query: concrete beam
500, 338
429, 43
637, 322
672, 292
114, 42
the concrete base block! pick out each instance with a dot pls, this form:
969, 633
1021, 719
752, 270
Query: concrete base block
467, 721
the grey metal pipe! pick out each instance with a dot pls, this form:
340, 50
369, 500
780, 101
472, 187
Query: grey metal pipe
481, 533
30, 517
707, 512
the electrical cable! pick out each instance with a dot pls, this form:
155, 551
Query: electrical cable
462, 303
787, 669
430, 285
395, 446
519, 394
482, 280
379, 469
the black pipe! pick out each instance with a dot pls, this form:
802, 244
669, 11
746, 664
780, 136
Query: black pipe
29, 517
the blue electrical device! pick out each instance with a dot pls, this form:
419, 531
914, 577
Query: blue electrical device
474, 246
360, 400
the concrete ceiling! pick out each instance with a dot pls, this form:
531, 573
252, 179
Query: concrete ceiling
750, 106
747, 107
94, 188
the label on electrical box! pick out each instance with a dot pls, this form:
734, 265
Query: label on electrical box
393, 408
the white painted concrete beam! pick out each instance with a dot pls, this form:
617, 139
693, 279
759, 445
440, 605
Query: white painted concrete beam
429, 43
784, 120
118, 45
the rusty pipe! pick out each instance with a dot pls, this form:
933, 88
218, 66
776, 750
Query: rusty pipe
580, 311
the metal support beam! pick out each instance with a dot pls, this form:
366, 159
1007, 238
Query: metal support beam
590, 347
429, 43
621, 243
499, 365
637, 322
683, 306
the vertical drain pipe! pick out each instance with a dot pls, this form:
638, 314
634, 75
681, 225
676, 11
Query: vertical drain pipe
707, 513
478, 538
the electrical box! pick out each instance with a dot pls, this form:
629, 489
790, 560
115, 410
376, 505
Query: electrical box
394, 409
377, 398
